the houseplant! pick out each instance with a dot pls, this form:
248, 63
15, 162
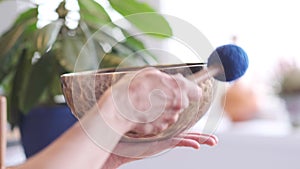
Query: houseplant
34, 53
288, 88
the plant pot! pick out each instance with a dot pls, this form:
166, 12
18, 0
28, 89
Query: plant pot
43, 125
292, 104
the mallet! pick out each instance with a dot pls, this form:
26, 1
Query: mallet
227, 63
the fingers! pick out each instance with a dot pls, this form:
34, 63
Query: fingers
153, 100
207, 139
214, 137
192, 91
194, 140
187, 143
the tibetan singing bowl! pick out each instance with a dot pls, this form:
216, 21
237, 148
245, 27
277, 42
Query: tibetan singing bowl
82, 90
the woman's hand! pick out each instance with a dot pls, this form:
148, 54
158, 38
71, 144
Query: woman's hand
150, 100
129, 152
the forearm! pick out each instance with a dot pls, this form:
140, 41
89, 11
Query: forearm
85, 145
73, 150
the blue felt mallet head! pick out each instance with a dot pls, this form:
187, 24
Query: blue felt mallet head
234, 62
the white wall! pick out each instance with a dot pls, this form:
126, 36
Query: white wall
267, 29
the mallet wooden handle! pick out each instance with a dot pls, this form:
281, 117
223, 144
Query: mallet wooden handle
206, 73
3, 131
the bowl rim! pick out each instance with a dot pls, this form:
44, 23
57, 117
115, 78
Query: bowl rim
113, 70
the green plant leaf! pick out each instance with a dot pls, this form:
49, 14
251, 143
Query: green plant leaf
46, 36
9, 44
26, 15
75, 53
13, 41
9, 40
110, 60
20, 76
66, 53
55, 86
138, 45
125, 50
40, 78
93, 13
7, 87
143, 17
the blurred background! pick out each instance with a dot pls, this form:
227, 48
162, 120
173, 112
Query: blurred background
257, 118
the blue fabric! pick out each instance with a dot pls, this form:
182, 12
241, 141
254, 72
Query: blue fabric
234, 60
43, 125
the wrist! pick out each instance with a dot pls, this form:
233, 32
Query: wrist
111, 115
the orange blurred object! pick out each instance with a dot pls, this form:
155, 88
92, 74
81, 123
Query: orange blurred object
240, 102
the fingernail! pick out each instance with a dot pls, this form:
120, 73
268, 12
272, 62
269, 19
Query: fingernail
197, 147
214, 142
216, 139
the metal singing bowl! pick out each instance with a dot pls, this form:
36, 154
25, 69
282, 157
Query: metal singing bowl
82, 90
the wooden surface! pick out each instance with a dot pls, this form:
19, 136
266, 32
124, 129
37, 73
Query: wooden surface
3, 131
